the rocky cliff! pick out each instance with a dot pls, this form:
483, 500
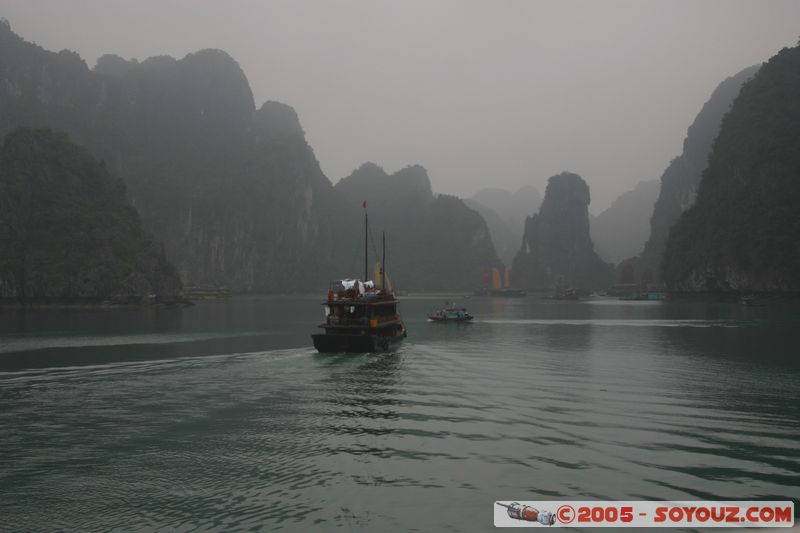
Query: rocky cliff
435, 241
620, 231
505, 238
505, 214
681, 178
67, 232
743, 232
234, 192
556, 246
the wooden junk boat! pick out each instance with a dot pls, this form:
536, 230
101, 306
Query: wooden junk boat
360, 317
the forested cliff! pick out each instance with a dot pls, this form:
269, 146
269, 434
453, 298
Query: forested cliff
743, 232
436, 241
556, 247
67, 232
234, 191
680, 180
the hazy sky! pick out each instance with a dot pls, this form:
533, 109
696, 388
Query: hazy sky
489, 93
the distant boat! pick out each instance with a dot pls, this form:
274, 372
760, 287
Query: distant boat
508, 293
359, 317
495, 284
451, 313
564, 294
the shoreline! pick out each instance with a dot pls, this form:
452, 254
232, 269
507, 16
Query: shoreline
677, 296
96, 305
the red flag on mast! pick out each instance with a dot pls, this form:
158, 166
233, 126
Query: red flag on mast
364, 205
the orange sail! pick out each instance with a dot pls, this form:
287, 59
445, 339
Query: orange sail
497, 282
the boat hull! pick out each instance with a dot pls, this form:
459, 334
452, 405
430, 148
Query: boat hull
509, 293
325, 343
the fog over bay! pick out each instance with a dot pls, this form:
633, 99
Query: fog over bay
480, 93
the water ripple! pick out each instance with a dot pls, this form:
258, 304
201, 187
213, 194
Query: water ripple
287, 439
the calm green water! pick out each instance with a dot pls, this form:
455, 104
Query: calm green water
222, 417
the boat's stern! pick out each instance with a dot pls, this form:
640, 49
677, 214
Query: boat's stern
325, 343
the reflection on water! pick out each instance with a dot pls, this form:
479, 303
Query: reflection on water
221, 416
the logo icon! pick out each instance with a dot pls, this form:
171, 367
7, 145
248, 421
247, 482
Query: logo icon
529, 514
565, 514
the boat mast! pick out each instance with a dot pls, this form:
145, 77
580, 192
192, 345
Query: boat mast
383, 264
366, 238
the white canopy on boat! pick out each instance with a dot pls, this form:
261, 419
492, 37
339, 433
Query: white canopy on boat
360, 286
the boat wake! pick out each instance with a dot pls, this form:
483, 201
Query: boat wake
684, 323
26, 344
166, 364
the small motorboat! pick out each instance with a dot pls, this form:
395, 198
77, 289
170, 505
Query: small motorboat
451, 313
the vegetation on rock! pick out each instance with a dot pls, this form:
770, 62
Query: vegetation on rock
682, 177
234, 192
68, 233
436, 241
743, 232
557, 248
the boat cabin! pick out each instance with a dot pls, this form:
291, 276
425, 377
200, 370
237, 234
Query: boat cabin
358, 308
359, 317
